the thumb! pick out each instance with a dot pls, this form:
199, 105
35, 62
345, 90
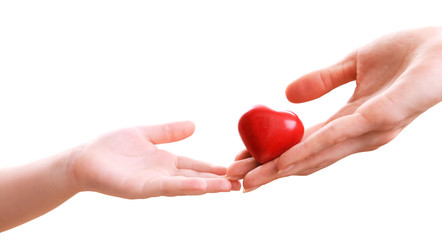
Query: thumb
315, 84
169, 132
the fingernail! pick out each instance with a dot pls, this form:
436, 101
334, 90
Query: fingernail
249, 189
286, 170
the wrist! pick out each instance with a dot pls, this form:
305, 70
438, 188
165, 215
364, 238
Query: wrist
67, 167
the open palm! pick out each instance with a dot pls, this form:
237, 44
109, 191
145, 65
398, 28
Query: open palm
126, 163
398, 77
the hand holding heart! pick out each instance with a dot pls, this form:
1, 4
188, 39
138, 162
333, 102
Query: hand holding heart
398, 77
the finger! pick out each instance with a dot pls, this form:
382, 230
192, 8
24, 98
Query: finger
174, 186
243, 155
309, 131
347, 109
315, 84
215, 185
192, 173
169, 132
366, 142
260, 176
240, 168
333, 133
244, 163
179, 186
199, 166
236, 185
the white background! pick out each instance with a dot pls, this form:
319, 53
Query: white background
71, 70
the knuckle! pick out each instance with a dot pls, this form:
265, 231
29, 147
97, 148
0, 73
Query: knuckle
167, 132
372, 148
325, 78
380, 139
382, 113
334, 134
387, 118
387, 137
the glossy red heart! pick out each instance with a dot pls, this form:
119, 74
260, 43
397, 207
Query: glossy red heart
267, 133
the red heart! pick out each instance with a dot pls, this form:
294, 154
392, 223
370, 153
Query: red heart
268, 133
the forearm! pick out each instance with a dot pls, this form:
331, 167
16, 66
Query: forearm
29, 191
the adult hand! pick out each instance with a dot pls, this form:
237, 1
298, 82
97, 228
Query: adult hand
398, 77
127, 163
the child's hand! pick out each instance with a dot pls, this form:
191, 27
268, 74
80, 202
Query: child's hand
126, 163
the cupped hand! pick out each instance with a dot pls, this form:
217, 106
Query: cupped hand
128, 164
398, 77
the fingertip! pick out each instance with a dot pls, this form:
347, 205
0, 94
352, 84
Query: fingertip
260, 176
249, 188
302, 89
308, 87
291, 92
250, 182
230, 174
239, 169
242, 155
230, 167
236, 185
246, 190
233, 178
215, 185
219, 170
179, 130
188, 127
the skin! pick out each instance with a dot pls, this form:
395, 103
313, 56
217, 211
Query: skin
125, 163
398, 77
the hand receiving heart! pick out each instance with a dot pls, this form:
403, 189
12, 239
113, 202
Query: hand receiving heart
267, 133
